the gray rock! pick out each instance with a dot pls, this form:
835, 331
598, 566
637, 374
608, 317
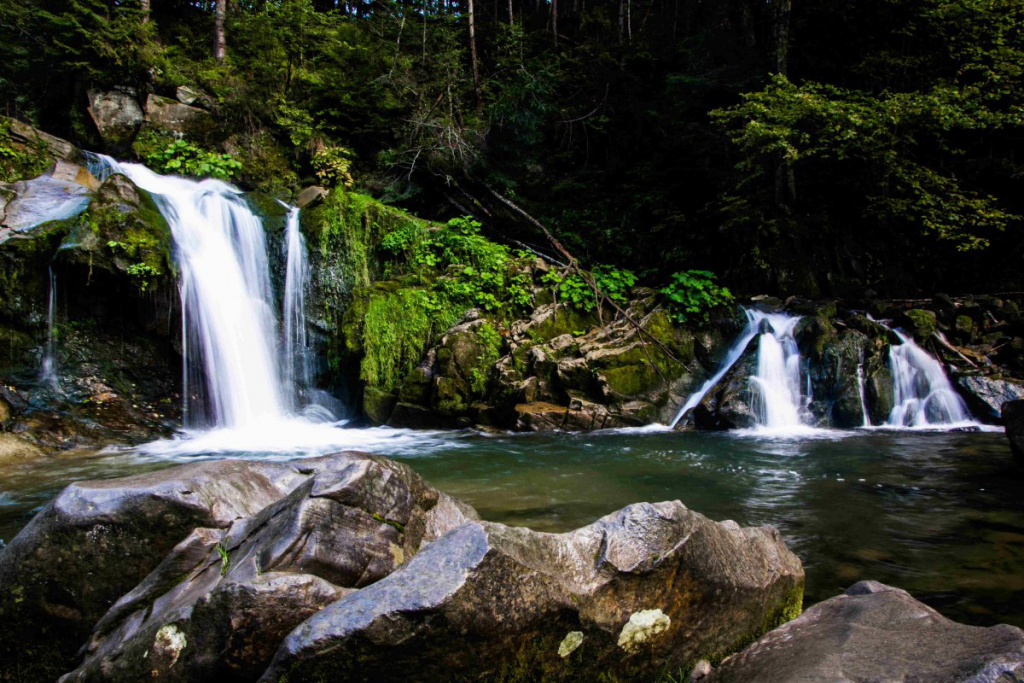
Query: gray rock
186, 95
117, 115
877, 633
985, 396
233, 595
648, 588
1013, 419
729, 404
177, 118
309, 196
25, 136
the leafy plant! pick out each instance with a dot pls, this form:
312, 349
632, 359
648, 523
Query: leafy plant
185, 158
693, 294
333, 165
615, 283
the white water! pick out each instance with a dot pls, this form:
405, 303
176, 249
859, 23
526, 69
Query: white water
297, 370
777, 401
861, 390
48, 372
923, 395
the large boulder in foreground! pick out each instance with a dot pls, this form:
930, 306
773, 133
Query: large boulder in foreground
646, 589
878, 633
221, 601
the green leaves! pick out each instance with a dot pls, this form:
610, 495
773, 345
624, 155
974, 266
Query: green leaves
693, 294
185, 158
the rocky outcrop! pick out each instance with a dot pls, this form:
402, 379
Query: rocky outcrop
875, 632
117, 116
229, 596
649, 588
171, 116
1013, 419
351, 565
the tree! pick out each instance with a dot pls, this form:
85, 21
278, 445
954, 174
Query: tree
219, 41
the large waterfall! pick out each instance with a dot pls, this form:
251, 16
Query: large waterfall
923, 395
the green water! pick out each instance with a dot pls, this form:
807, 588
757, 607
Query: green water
939, 514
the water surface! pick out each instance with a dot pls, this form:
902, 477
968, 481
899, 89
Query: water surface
939, 514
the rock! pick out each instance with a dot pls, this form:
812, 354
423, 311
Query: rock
73, 173
5, 414
24, 136
177, 118
117, 116
1013, 419
729, 404
646, 589
97, 540
186, 95
15, 449
985, 396
232, 596
919, 322
875, 632
309, 196
378, 405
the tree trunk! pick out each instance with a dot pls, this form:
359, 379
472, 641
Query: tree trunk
554, 20
511, 15
473, 58
782, 12
144, 6
219, 43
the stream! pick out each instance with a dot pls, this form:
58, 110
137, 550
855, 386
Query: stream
937, 513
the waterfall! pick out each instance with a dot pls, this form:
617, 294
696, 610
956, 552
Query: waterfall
923, 395
754, 319
861, 391
226, 296
48, 372
777, 399
297, 371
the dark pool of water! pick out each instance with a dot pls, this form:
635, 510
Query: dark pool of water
939, 514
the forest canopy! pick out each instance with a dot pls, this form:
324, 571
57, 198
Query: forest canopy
829, 148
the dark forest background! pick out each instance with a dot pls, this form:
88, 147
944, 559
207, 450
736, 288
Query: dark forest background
835, 147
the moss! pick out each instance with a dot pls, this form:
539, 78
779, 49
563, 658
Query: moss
565, 320
921, 323
631, 380
378, 404
396, 332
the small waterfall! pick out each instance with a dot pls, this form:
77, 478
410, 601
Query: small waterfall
862, 392
48, 372
923, 395
297, 370
777, 400
754, 319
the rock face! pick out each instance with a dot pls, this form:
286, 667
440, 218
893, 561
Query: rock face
1013, 419
351, 566
117, 116
877, 633
646, 589
172, 116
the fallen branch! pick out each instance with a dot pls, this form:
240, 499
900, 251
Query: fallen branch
952, 349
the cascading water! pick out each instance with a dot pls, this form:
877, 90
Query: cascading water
297, 370
48, 372
923, 395
777, 399
226, 294
863, 394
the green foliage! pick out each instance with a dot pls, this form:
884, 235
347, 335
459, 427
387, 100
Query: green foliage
15, 163
397, 329
490, 342
333, 164
185, 158
225, 561
693, 294
574, 290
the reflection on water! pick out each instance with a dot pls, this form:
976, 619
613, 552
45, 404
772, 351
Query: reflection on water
938, 514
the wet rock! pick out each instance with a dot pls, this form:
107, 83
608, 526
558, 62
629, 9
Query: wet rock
172, 116
919, 322
729, 404
648, 588
986, 396
1013, 420
117, 116
97, 540
233, 595
875, 632
73, 173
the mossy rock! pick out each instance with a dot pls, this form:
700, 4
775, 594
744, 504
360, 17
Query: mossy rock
378, 405
920, 323
564, 320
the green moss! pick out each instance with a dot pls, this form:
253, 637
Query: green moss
631, 380
396, 331
922, 323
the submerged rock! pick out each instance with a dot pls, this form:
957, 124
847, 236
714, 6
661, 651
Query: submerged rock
645, 589
875, 632
1013, 419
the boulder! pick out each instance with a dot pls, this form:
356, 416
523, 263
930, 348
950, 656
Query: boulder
1013, 420
229, 597
13, 448
309, 196
919, 322
117, 116
24, 137
986, 396
729, 404
186, 95
97, 540
649, 588
73, 173
176, 118
875, 632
